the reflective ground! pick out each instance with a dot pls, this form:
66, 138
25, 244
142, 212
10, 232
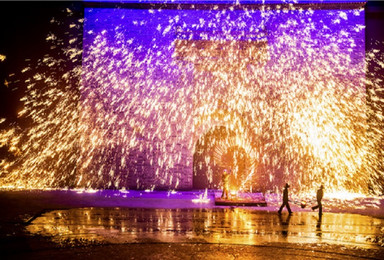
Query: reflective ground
70, 225
229, 225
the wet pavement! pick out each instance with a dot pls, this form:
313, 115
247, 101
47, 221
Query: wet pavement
45, 225
229, 226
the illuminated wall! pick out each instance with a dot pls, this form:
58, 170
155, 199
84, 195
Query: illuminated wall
284, 82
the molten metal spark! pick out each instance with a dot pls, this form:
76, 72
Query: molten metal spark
294, 99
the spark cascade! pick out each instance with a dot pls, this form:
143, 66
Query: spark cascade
288, 84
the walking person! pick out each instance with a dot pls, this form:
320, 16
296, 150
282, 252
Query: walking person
319, 197
285, 200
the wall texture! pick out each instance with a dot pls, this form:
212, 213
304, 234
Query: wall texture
284, 85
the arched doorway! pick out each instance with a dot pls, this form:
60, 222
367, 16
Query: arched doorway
215, 151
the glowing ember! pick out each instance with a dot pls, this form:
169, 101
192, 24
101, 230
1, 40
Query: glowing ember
289, 90
203, 198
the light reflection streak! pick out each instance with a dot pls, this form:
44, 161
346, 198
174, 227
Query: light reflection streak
235, 226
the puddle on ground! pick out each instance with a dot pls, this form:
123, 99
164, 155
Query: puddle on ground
234, 226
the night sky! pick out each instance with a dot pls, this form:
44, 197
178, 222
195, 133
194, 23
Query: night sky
24, 27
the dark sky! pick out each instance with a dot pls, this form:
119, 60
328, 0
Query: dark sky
374, 14
24, 27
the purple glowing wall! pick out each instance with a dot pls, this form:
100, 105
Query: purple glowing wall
148, 102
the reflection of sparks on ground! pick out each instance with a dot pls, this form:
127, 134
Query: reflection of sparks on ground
235, 226
316, 120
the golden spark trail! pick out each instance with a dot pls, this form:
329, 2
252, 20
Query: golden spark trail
293, 109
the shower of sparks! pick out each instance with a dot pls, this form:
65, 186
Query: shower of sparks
2, 57
293, 98
203, 198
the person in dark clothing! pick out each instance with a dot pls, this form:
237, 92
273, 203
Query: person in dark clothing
319, 197
285, 200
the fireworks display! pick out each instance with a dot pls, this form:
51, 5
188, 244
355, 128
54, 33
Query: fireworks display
276, 94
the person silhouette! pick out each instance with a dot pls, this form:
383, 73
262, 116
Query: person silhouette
319, 197
285, 200
225, 183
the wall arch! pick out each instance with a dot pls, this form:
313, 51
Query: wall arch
218, 149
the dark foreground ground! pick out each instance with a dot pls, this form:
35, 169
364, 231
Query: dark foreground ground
71, 225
